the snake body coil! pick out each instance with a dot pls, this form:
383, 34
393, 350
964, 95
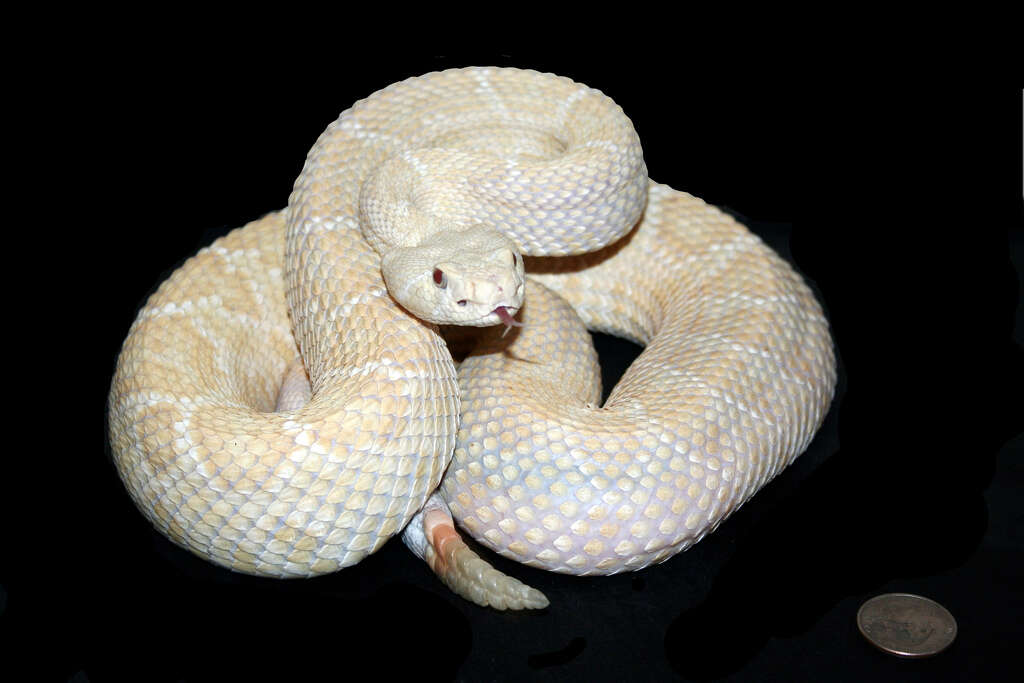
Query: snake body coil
736, 375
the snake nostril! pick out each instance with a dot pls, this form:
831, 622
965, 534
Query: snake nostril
461, 302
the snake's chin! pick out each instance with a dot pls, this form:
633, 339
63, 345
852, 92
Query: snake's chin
499, 315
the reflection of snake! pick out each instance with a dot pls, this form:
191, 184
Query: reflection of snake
735, 378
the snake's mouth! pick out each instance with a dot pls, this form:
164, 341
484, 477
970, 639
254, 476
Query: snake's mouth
504, 313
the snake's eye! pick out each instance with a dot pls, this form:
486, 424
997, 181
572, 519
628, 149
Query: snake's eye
440, 279
515, 260
461, 302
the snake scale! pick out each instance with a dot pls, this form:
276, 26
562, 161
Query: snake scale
478, 167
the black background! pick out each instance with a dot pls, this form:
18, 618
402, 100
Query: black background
896, 202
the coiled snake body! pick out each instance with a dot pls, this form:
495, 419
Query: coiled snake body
736, 375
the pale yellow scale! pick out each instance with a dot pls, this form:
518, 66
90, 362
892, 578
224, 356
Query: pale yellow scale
736, 376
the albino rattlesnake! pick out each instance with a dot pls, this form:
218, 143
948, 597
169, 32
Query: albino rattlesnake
735, 378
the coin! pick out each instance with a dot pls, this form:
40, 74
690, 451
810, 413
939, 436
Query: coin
906, 625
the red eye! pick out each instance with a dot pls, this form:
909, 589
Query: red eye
440, 279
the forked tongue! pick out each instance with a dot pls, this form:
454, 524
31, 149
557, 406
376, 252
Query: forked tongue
507, 319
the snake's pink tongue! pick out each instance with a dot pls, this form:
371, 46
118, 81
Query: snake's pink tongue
506, 318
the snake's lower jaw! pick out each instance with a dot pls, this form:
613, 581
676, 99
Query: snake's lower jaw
494, 318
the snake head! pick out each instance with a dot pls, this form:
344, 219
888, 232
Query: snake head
471, 277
